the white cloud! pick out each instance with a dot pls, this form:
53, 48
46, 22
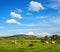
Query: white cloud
12, 21
45, 34
13, 14
37, 31
35, 6
21, 33
31, 33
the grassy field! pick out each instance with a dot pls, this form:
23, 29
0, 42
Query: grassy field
23, 46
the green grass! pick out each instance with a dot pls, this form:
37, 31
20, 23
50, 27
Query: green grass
23, 46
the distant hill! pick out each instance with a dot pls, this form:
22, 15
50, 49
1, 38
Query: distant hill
19, 35
23, 36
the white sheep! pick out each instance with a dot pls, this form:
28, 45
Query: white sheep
53, 42
46, 42
14, 42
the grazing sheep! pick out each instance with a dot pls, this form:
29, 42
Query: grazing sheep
14, 42
53, 42
46, 42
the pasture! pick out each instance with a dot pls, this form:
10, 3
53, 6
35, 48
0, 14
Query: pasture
24, 46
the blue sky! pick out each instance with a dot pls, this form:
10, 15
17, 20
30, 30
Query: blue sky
35, 17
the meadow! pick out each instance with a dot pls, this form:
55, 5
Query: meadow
23, 45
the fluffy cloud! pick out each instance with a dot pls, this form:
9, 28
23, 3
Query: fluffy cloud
45, 34
12, 21
37, 31
31, 33
13, 14
35, 6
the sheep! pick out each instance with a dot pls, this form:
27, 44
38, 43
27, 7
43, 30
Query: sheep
14, 42
53, 42
46, 42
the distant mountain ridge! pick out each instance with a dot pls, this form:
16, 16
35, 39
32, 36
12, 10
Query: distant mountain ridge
23, 36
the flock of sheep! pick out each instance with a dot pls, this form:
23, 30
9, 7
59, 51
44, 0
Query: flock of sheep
53, 42
31, 44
